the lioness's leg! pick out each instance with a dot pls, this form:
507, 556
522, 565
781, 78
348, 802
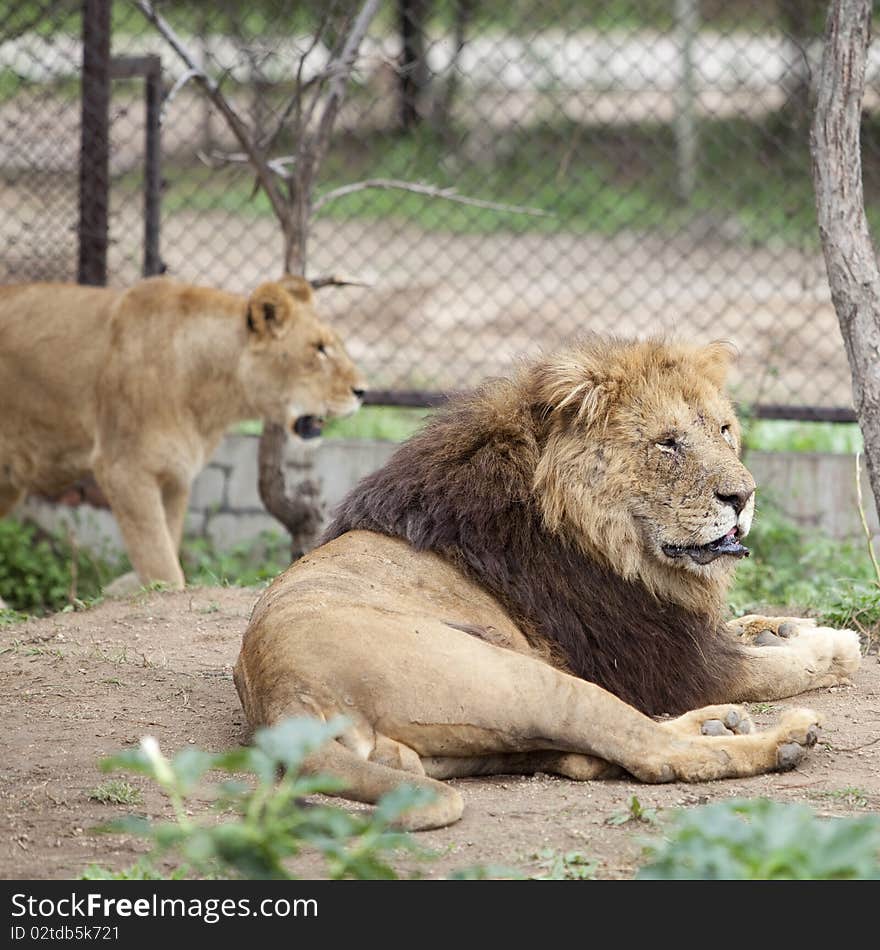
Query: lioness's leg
136, 502
788, 655
175, 498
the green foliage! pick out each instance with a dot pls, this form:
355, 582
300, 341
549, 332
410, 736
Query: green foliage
808, 571
247, 564
564, 866
268, 823
764, 840
37, 569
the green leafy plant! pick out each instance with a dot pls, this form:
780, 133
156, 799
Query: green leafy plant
635, 812
759, 839
42, 572
831, 580
264, 822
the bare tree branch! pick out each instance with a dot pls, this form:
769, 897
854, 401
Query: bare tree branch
850, 259
216, 158
236, 124
173, 91
336, 280
430, 191
294, 107
341, 72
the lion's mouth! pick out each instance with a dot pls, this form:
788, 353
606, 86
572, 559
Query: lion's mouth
706, 553
308, 427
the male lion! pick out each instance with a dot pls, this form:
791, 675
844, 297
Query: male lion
139, 386
532, 577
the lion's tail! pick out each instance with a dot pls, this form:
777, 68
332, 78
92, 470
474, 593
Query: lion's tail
367, 781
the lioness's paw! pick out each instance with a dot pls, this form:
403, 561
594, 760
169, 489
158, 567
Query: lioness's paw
713, 721
798, 730
123, 586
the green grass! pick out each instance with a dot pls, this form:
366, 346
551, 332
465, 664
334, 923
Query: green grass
782, 435
116, 792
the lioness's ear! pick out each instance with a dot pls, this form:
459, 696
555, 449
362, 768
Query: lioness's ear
716, 359
269, 308
297, 287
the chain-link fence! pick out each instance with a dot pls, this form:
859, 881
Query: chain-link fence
651, 161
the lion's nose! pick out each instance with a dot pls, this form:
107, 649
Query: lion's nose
359, 393
736, 499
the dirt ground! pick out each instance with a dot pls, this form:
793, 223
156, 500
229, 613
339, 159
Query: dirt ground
81, 685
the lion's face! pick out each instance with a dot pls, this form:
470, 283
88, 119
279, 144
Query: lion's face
295, 369
641, 462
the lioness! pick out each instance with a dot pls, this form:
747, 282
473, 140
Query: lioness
530, 579
139, 386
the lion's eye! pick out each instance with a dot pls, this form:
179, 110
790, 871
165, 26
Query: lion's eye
669, 444
322, 350
726, 434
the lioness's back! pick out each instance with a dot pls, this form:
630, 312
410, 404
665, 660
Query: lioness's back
52, 341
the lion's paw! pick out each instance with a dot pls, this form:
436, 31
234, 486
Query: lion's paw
713, 721
798, 730
836, 653
769, 631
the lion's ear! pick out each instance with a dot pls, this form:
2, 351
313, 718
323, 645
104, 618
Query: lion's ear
298, 287
269, 308
716, 359
575, 385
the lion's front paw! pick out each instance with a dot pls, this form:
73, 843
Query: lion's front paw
712, 721
798, 730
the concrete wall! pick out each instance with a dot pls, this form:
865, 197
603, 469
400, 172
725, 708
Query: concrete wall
815, 490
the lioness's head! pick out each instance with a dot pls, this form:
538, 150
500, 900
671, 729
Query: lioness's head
295, 369
640, 458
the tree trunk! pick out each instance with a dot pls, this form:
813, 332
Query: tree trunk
301, 512
843, 228
413, 66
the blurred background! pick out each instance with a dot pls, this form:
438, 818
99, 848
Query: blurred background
665, 143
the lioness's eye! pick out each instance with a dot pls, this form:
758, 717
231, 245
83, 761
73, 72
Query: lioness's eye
669, 444
321, 349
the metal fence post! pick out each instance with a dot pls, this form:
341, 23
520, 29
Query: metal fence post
152, 168
94, 143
